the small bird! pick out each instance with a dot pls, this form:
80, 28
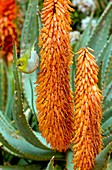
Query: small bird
28, 62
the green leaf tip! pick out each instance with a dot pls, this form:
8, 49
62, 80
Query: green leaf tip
50, 165
102, 158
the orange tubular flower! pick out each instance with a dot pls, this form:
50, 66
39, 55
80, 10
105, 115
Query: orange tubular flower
7, 27
88, 113
54, 102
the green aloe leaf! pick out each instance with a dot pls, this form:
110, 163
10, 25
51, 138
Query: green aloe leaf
101, 159
50, 165
108, 75
100, 33
107, 132
3, 85
17, 167
30, 29
17, 144
69, 158
72, 74
18, 113
107, 90
100, 76
107, 140
30, 33
6, 120
107, 114
107, 124
10, 89
29, 89
109, 165
107, 93
83, 41
106, 54
9, 151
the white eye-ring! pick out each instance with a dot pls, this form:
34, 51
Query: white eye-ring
20, 64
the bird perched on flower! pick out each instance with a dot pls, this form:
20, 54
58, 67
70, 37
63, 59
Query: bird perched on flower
28, 62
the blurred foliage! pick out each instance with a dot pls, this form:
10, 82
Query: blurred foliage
77, 16
21, 143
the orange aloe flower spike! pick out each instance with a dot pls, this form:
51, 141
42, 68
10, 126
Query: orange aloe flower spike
8, 31
88, 113
54, 98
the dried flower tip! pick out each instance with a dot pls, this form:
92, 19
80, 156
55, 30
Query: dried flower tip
90, 49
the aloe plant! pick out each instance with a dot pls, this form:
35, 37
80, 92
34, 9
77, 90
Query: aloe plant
19, 133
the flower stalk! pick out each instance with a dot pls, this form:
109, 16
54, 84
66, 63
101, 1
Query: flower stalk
88, 113
54, 98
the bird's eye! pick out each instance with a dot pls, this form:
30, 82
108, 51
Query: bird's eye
20, 64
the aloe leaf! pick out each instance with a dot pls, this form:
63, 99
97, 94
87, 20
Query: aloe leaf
58, 167
69, 158
107, 140
3, 86
107, 90
107, 132
109, 165
106, 54
100, 76
29, 89
107, 93
50, 165
9, 75
108, 100
100, 33
39, 17
18, 113
42, 139
72, 74
17, 167
30, 28
83, 41
101, 159
9, 151
29, 93
6, 120
30, 33
107, 124
108, 75
107, 114
105, 51
21, 147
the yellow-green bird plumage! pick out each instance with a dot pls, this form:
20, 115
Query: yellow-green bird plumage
28, 62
